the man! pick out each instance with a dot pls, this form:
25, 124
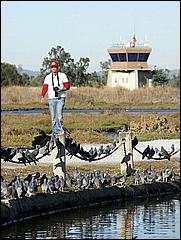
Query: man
56, 84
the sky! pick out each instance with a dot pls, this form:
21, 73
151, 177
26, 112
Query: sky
30, 29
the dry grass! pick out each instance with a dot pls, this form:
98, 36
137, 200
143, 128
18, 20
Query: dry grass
87, 97
20, 130
8, 171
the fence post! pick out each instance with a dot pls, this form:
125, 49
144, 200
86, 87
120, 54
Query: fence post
126, 147
59, 164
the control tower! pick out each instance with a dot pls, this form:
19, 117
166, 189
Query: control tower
129, 67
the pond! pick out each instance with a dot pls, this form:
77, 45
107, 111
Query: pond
93, 111
153, 218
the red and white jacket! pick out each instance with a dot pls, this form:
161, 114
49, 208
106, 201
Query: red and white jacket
49, 83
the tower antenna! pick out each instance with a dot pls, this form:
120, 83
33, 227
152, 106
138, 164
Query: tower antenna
133, 41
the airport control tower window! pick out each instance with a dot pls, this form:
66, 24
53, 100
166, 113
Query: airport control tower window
114, 57
118, 57
122, 57
132, 57
143, 57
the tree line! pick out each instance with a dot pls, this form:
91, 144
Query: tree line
76, 72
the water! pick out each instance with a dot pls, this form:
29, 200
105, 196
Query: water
93, 111
157, 218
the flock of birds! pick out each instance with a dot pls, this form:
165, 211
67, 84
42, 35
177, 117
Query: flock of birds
36, 183
149, 175
43, 144
151, 153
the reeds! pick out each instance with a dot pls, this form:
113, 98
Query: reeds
87, 97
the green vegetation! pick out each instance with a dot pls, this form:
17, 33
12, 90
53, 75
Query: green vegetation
10, 76
19, 130
161, 78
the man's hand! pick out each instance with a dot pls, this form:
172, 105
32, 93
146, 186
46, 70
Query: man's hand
42, 99
61, 89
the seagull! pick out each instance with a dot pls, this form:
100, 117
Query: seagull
19, 187
85, 182
76, 173
44, 185
44, 176
126, 158
93, 153
134, 142
44, 150
68, 142
151, 153
41, 139
100, 151
84, 153
113, 145
149, 170
158, 177
4, 189
122, 180
129, 171
57, 182
97, 182
60, 164
31, 187
28, 178
165, 153
62, 183
172, 149
61, 149
68, 180
51, 143
146, 152
51, 186
157, 151
107, 149
74, 149
137, 179
31, 155
8, 153
26, 156
167, 174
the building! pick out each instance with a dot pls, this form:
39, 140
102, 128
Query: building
129, 67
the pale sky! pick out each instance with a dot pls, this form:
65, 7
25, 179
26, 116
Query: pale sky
29, 30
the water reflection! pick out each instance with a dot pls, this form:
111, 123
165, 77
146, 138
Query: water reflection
143, 219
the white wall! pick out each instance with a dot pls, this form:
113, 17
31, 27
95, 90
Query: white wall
124, 79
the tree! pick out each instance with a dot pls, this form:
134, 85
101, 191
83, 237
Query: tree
10, 76
174, 81
93, 80
160, 77
105, 66
76, 72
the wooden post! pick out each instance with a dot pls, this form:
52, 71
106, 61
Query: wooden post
126, 150
59, 164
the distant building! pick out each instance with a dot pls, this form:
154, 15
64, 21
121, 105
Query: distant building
129, 67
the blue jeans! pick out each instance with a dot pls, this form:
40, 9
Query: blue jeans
56, 111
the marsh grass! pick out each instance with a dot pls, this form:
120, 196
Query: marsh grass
16, 97
8, 172
20, 130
